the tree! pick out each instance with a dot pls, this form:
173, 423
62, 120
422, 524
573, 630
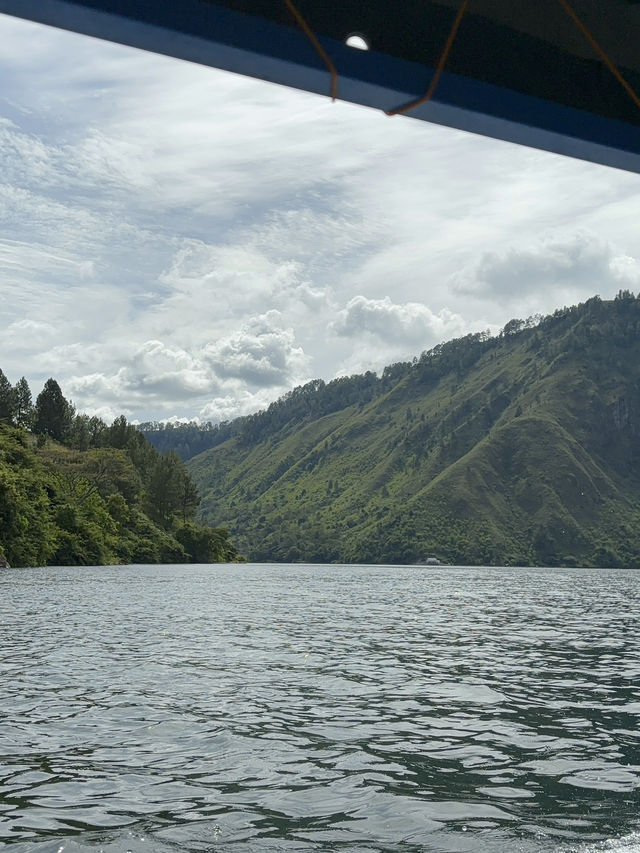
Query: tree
119, 433
513, 327
102, 470
79, 437
87, 431
206, 545
7, 399
23, 403
97, 429
53, 413
189, 497
164, 490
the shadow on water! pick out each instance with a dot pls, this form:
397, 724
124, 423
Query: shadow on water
319, 708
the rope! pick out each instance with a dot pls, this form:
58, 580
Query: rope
603, 56
439, 68
321, 51
447, 50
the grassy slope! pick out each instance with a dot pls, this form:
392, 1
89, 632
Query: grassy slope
527, 455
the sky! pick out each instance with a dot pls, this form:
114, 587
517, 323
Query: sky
177, 242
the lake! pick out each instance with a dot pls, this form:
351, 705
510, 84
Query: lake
319, 708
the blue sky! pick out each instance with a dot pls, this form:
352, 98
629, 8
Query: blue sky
177, 241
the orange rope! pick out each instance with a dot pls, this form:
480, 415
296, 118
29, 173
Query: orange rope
603, 56
439, 68
314, 41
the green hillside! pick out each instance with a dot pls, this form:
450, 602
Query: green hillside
74, 491
519, 449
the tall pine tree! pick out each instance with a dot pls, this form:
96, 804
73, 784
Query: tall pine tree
53, 413
7, 399
23, 403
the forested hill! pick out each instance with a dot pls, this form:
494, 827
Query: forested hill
313, 400
517, 449
74, 491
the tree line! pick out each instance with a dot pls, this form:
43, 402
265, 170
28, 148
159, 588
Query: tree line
107, 493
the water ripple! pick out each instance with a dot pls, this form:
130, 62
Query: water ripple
294, 708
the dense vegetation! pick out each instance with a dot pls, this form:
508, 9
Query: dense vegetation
521, 448
314, 399
74, 491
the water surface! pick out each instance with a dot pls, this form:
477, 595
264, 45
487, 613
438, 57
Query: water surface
319, 708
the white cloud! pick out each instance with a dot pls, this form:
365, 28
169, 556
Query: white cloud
97, 157
177, 241
237, 400
154, 370
625, 271
261, 353
411, 324
31, 258
570, 267
257, 362
25, 333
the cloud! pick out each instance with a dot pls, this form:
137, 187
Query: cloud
408, 324
328, 231
167, 372
236, 400
571, 267
19, 256
25, 156
24, 334
257, 362
177, 241
197, 264
625, 271
212, 287
372, 333
154, 370
261, 353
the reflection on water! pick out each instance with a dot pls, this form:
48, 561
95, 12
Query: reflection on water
288, 708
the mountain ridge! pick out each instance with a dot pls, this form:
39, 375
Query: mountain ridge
520, 448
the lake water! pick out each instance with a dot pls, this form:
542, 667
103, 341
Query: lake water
319, 708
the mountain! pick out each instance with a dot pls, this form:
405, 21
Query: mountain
517, 449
